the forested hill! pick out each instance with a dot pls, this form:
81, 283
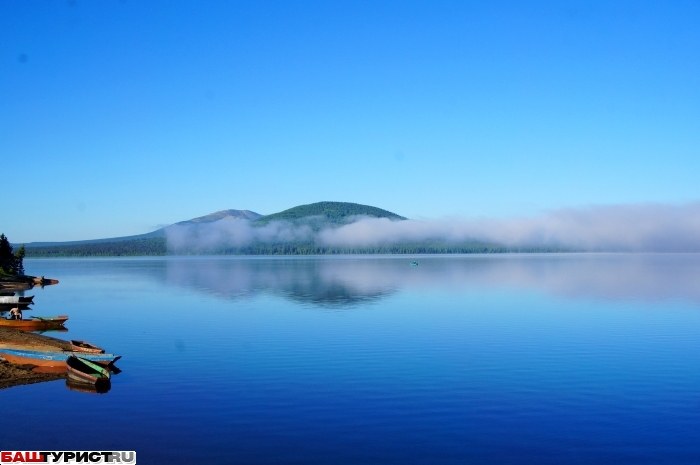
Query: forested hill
317, 215
330, 212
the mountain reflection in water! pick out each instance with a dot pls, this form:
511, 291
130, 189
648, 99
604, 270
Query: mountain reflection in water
348, 281
320, 282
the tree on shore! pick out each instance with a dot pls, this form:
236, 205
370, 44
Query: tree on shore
10, 263
19, 260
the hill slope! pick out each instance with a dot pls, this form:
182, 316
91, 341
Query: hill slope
158, 233
331, 212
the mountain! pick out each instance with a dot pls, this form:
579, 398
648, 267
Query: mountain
316, 215
323, 212
329, 212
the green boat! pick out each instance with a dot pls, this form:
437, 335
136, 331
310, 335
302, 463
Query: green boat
84, 371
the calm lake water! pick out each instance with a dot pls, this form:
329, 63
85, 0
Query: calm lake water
485, 359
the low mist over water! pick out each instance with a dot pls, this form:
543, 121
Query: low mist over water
627, 228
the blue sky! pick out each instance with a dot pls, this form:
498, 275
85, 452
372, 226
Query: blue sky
118, 116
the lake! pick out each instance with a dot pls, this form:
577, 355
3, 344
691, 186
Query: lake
488, 359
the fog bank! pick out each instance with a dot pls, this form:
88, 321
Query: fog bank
633, 228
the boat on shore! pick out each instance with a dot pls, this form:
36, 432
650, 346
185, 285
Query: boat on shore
82, 346
53, 358
81, 370
16, 286
26, 279
14, 300
24, 282
35, 323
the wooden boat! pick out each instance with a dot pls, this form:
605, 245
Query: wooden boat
35, 323
82, 346
13, 300
53, 359
414, 263
16, 281
16, 286
82, 370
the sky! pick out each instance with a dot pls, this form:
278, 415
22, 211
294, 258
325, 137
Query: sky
118, 117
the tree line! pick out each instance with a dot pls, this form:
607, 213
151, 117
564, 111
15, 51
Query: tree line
157, 246
153, 246
11, 262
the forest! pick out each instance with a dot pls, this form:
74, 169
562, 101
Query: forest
11, 262
133, 248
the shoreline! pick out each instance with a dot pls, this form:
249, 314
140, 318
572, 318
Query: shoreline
20, 375
17, 375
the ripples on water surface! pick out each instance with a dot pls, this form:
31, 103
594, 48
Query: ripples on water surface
504, 359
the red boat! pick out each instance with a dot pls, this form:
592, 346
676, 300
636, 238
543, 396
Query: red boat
35, 323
